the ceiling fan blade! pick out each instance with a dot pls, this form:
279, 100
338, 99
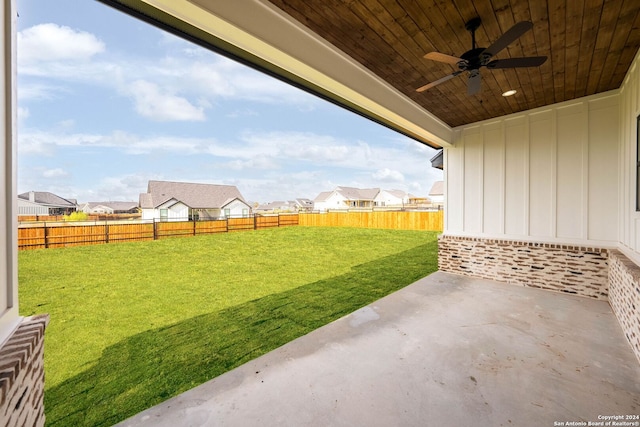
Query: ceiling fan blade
473, 86
507, 38
437, 82
529, 61
441, 57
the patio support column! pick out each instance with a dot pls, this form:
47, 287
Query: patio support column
21, 340
9, 318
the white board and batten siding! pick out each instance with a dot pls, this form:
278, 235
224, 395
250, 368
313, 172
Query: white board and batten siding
629, 218
175, 211
237, 208
547, 175
334, 201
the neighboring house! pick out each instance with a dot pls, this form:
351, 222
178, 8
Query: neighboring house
419, 201
437, 194
110, 208
275, 207
303, 205
437, 160
297, 205
391, 198
181, 201
324, 201
44, 203
345, 198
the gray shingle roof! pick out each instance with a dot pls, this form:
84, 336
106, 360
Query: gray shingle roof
116, 206
273, 205
437, 189
352, 193
49, 199
196, 196
304, 202
397, 193
322, 196
146, 201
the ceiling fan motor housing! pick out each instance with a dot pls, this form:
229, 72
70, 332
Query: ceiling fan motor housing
473, 59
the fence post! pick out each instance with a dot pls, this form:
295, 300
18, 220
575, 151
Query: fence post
278, 219
106, 232
46, 237
226, 221
255, 222
155, 229
194, 225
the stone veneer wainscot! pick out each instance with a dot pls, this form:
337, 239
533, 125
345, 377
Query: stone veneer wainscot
22, 375
624, 296
564, 268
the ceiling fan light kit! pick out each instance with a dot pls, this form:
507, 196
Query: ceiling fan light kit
472, 60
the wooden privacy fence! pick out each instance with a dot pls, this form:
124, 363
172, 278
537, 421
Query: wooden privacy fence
55, 235
91, 217
399, 220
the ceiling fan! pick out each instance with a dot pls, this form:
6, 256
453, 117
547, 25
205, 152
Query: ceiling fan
478, 57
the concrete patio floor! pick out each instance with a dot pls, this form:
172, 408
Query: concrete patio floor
445, 351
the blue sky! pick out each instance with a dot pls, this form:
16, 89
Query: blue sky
106, 103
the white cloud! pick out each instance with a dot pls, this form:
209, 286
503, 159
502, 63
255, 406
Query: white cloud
152, 103
28, 91
177, 87
380, 161
52, 42
210, 78
319, 153
417, 187
45, 142
241, 113
281, 187
306, 146
219, 77
115, 188
259, 163
34, 143
261, 88
388, 175
55, 173
123, 187
23, 113
398, 162
66, 124
133, 144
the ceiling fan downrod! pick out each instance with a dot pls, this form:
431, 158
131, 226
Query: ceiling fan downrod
471, 26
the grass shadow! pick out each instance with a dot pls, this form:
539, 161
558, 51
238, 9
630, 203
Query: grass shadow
150, 367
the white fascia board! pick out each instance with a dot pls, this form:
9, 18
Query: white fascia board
237, 199
167, 204
259, 28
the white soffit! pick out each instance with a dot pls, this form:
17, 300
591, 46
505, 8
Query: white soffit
289, 49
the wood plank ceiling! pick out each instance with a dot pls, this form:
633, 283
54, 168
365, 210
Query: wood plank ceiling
590, 45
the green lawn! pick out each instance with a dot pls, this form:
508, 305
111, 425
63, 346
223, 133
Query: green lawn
133, 324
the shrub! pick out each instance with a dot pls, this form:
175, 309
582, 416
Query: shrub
76, 216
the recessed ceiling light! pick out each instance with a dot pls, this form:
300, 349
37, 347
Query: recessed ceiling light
510, 92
